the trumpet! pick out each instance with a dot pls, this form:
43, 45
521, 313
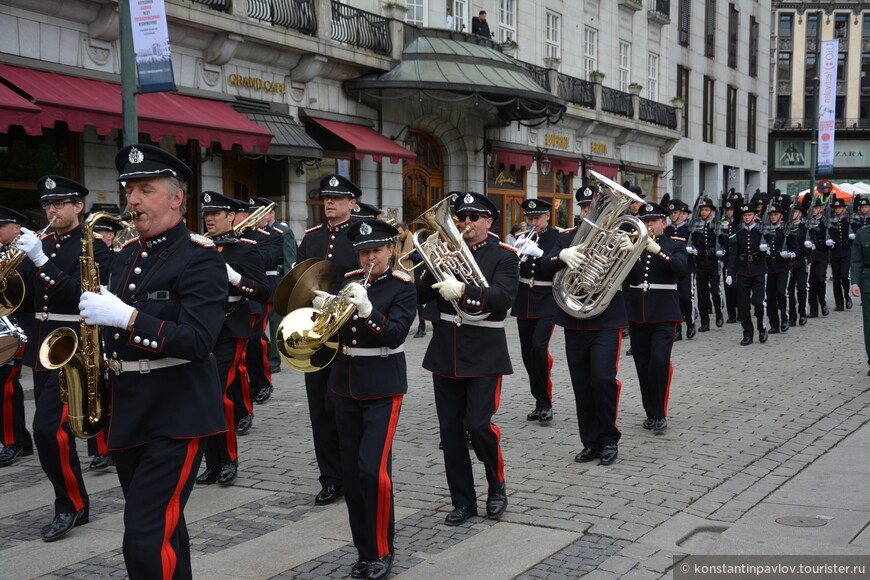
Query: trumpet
253, 218
530, 238
11, 284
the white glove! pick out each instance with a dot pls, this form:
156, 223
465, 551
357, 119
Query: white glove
531, 249
105, 309
359, 297
234, 277
652, 246
763, 247
691, 250
449, 288
728, 280
573, 257
809, 245
32, 246
625, 244
792, 255
785, 254
851, 235
320, 297
720, 253
830, 243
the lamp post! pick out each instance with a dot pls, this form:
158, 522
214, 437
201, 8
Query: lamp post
128, 75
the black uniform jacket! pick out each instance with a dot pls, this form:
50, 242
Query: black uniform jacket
705, 242
799, 233
859, 221
817, 234
534, 301
242, 255
860, 263
331, 243
644, 302
779, 241
467, 350
394, 306
270, 244
56, 287
839, 230
181, 309
746, 257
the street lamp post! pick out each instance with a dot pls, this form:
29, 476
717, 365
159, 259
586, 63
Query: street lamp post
128, 75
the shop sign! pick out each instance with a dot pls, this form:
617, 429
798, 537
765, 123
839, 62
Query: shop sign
257, 84
598, 148
796, 154
554, 140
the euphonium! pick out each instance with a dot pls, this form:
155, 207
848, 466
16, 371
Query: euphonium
82, 379
448, 256
586, 292
11, 284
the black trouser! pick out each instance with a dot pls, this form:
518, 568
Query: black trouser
797, 292
865, 311
535, 336
56, 445
684, 290
840, 272
323, 428
366, 429
651, 345
13, 425
257, 355
222, 448
730, 298
593, 357
750, 294
469, 404
707, 283
818, 284
777, 306
156, 479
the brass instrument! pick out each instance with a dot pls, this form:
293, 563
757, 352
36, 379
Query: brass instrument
308, 339
127, 234
530, 238
446, 255
253, 218
586, 292
82, 378
11, 285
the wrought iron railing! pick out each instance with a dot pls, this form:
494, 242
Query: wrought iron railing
657, 113
662, 7
538, 73
361, 29
576, 91
806, 124
222, 5
616, 102
297, 15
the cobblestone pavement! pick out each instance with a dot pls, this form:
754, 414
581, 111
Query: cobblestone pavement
743, 421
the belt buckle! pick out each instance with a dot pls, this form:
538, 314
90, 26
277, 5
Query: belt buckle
532, 282
115, 366
43, 316
145, 368
645, 286
344, 349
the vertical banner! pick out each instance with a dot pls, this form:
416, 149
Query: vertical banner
827, 105
151, 44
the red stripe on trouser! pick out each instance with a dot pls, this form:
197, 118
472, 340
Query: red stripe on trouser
668, 389
229, 408
69, 478
550, 367
102, 443
8, 420
497, 431
385, 484
618, 382
246, 384
168, 557
264, 344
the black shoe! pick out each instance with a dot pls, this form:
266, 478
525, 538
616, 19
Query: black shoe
719, 321
546, 415
263, 394
691, 331
648, 423
792, 321
329, 494
359, 569
608, 454
848, 303
589, 453
839, 309
660, 424
534, 415
762, 336
802, 321
99, 462
244, 424
460, 515
679, 334
9, 454
704, 328
209, 476
624, 332
380, 568
784, 326
746, 341
813, 314
421, 332
825, 310
773, 330
496, 502
228, 473
629, 352
62, 524
731, 320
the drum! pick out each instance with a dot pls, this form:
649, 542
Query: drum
11, 339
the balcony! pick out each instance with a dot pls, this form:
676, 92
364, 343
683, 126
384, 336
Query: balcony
658, 113
616, 102
293, 14
632, 4
806, 124
576, 91
659, 11
361, 29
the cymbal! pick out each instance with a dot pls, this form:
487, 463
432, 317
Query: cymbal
297, 288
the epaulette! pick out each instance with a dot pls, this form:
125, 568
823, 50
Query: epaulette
133, 241
403, 276
354, 273
678, 239
315, 228
495, 235
567, 230
508, 247
201, 240
247, 241
264, 232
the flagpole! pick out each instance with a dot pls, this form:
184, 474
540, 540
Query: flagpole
128, 75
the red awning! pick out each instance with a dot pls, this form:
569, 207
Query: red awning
81, 102
517, 159
608, 171
564, 164
366, 141
16, 110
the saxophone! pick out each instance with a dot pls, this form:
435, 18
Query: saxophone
82, 378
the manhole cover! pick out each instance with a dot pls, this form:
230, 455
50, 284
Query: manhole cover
801, 521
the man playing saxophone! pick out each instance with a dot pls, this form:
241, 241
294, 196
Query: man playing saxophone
468, 356
54, 281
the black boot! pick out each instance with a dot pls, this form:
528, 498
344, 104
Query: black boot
421, 330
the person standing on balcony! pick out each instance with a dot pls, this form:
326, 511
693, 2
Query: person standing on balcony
480, 26
448, 23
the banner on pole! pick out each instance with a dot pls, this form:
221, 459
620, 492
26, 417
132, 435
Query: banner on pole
151, 44
827, 105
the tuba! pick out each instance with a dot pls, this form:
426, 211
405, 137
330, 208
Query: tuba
82, 379
587, 291
446, 255
11, 285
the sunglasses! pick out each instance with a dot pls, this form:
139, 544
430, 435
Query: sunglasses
473, 216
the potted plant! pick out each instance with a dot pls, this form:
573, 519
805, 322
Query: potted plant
678, 102
635, 88
395, 10
509, 48
596, 76
552, 62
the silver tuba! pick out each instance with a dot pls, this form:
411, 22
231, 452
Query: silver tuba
587, 291
445, 253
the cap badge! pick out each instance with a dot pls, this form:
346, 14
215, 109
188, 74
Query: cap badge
136, 156
365, 229
333, 182
531, 205
468, 198
206, 198
50, 184
587, 191
356, 208
648, 207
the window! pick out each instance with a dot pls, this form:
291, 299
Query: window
865, 70
460, 15
810, 111
809, 70
554, 35
731, 118
556, 187
710, 29
841, 25
624, 66
783, 66
786, 25
683, 92
683, 23
652, 77
813, 19
783, 107
708, 109
507, 20
751, 121
865, 112
841, 66
590, 51
733, 23
865, 31
416, 13
753, 46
